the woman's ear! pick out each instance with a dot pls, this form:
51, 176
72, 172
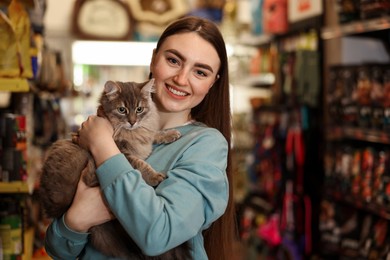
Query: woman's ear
216, 78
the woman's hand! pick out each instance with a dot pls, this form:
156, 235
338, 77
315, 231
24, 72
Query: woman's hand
88, 208
95, 135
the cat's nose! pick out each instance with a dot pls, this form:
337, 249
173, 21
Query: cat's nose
131, 123
132, 119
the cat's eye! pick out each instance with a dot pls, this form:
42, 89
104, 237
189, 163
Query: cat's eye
122, 110
139, 110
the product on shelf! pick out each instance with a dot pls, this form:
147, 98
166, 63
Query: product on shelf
357, 96
13, 148
10, 227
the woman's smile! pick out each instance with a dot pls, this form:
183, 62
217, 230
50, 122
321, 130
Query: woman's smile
176, 92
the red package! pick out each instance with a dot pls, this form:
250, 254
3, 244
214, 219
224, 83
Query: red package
275, 16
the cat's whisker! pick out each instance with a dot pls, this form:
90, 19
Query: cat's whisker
147, 128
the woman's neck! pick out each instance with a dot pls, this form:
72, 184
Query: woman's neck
172, 120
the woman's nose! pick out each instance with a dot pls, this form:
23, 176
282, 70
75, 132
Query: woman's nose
181, 77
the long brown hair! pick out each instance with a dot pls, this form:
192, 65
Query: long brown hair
214, 111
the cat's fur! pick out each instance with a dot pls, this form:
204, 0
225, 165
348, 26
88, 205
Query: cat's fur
129, 108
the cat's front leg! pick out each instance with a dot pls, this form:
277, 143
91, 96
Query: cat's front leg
166, 136
151, 177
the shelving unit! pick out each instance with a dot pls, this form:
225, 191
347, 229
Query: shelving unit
28, 242
348, 214
285, 170
356, 27
14, 187
355, 133
14, 85
355, 207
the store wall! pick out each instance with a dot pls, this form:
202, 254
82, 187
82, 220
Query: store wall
58, 17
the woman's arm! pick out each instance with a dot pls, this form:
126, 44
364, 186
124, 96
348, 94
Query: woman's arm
67, 236
95, 135
193, 196
88, 209
62, 242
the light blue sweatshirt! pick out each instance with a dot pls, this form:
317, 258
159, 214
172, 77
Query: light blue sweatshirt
193, 196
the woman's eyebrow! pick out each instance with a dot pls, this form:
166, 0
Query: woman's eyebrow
200, 65
204, 66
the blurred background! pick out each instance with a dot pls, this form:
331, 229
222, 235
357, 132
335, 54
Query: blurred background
309, 84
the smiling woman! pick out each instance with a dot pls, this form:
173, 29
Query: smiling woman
191, 91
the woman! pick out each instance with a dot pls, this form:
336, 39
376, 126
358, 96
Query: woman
194, 203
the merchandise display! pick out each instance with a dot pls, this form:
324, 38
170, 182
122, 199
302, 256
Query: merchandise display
356, 96
355, 209
15, 47
284, 156
14, 148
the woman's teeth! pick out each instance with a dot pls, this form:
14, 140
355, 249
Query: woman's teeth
176, 92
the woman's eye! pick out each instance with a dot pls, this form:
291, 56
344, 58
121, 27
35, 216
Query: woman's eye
122, 110
201, 73
139, 110
173, 61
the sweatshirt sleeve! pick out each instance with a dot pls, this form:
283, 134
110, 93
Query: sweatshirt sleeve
193, 196
62, 242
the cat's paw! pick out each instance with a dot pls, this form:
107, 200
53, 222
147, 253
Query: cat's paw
166, 136
156, 179
171, 135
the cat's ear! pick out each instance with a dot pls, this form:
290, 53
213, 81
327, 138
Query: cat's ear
111, 88
149, 86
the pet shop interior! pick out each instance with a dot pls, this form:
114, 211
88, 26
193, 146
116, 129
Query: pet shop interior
310, 84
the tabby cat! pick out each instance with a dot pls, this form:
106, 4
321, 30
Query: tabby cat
133, 115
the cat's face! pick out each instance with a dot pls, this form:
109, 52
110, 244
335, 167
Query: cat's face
126, 104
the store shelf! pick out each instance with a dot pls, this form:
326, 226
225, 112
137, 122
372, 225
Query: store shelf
259, 80
28, 244
28, 253
256, 40
357, 27
372, 207
369, 135
14, 85
14, 187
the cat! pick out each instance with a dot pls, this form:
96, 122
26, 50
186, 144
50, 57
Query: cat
133, 115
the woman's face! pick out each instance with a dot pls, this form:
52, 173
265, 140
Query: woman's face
185, 68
